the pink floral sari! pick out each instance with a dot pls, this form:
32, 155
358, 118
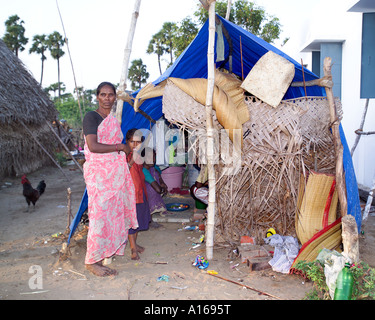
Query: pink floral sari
111, 196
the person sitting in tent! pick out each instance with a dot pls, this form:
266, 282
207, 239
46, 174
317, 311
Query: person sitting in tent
199, 190
134, 139
110, 189
156, 187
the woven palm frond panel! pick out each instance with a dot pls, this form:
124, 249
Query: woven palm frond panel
279, 144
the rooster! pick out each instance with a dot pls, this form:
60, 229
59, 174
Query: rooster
32, 195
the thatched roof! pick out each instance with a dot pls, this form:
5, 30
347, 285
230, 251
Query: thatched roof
22, 102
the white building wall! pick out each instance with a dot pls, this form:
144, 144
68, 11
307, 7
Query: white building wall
331, 22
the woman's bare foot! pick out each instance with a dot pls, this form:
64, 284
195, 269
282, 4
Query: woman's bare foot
140, 249
134, 255
99, 270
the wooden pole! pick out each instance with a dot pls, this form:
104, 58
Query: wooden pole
349, 225
323, 82
245, 286
210, 133
125, 67
335, 122
360, 127
69, 209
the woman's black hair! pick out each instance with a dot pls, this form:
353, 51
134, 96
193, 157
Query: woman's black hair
103, 84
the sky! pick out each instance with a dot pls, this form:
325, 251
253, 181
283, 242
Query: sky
97, 32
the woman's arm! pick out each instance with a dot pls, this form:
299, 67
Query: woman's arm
97, 147
156, 187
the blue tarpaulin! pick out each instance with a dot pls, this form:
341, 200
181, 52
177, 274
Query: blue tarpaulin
192, 63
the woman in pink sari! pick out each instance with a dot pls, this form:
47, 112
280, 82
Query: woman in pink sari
110, 189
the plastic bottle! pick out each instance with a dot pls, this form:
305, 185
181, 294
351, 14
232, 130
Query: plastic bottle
344, 284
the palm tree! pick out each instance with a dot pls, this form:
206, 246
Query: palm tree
40, 46
55, 42
14, 36
156, 45
138, 74
55, 87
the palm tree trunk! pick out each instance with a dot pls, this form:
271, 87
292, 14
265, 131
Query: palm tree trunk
58, 76
41, 73
159, 65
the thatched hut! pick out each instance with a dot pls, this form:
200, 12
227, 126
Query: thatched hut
25, 111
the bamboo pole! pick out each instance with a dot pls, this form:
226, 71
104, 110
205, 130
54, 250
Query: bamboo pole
210, 132
125, 67
303, 75
229, 5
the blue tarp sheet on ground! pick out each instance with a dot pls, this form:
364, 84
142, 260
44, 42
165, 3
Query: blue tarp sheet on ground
192, 63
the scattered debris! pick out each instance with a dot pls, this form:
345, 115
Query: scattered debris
200, 262
256, 257
163, 278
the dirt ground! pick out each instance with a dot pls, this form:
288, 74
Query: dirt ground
28, 248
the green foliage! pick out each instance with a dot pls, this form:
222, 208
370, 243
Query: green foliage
68, 107
314, 271
14, 36
185, 34
364, 281
247, 15
172, 39
55, 43
363, 286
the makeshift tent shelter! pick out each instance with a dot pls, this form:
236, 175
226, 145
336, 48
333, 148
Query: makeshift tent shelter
25, 110
192, 63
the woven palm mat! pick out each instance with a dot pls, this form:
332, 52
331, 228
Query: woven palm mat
278, 145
